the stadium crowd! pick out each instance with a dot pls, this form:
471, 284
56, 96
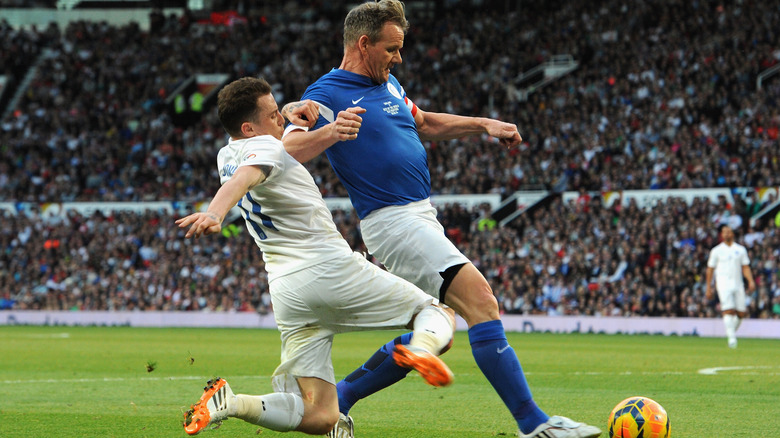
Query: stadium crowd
664, 97
563, 259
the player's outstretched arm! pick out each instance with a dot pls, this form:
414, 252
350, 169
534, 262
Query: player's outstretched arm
304, 145
210, 221
443, 126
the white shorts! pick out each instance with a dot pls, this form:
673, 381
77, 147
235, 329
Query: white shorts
345, 294
732, 299
410, 242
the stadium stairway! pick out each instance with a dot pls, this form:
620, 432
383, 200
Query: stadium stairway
541, 75
26, 80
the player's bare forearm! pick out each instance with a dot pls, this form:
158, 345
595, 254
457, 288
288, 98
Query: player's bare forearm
708, 283
305, 145
236, 187
443, 126
210, 221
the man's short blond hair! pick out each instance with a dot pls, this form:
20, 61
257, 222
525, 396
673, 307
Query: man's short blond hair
369, 19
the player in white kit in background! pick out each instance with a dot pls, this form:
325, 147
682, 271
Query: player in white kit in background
730, 263
319, 286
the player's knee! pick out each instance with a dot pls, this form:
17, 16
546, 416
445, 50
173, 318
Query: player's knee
325, 420
484, 300
480, 306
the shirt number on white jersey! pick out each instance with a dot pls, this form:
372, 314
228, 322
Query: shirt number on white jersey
254, 216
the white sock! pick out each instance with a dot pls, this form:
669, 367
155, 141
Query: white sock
432, 329
279, 411
731, 322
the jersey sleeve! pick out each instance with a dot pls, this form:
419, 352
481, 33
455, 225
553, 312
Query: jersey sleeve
745, 260
319, 95
263, 151
409, 104
712, 260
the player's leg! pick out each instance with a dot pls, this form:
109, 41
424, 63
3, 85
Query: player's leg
314, 413
321, 406
471, 296
376, 299
433, 329
730, 315
305, 375
378, 372
412, 244
436, 265
306, 404
276, 411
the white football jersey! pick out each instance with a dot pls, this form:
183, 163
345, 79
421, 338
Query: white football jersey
285, 214
728, 262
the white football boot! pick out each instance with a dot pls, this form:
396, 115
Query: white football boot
562, 427
345, 428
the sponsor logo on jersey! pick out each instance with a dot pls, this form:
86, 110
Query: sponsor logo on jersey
228, 170
390, 107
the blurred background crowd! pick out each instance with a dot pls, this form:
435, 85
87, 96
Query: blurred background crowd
664, 97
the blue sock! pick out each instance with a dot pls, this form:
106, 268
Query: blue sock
379, 372
499, 363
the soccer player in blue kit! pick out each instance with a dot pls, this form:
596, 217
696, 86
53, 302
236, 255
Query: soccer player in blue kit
385, 171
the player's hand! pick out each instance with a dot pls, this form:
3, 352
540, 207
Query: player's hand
347, 124
506, 133
303, 113
201, 224
751, 286
708, 294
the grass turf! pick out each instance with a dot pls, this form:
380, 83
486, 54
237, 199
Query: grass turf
94, 381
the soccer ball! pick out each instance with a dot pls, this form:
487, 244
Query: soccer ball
639, 417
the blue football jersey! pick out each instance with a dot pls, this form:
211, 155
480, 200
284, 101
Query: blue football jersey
387, 164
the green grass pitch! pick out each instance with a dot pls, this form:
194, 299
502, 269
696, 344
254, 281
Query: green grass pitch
93, 381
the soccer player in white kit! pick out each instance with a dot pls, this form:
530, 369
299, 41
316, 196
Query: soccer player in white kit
318, 286
730, 263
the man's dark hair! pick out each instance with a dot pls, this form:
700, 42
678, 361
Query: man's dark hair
237, 103
369, 19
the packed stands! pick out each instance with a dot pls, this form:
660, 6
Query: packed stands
665, 97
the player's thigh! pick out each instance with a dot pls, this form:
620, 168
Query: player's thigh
306, 352
367, 297
740, 301
347, 294
728, 299
471, 296
411, 243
